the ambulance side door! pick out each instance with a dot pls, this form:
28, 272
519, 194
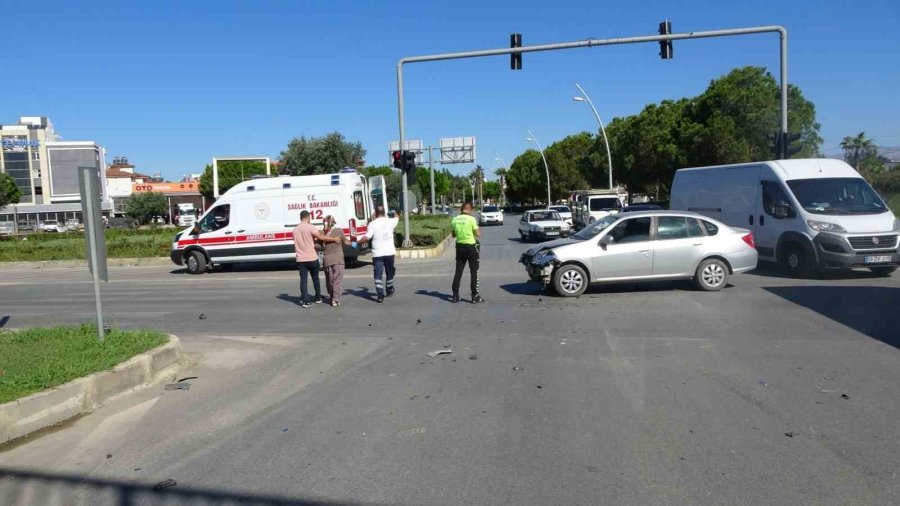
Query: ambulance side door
378, 192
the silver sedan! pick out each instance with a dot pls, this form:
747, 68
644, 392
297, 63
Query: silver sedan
650, 245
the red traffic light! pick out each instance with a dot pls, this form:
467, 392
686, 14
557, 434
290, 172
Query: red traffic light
397, 156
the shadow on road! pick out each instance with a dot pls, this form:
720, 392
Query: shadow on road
47, 488
524, 288
532, 288
870, 310
3, 321
362, 292
436, 294
770, 270
269, 267
290, 298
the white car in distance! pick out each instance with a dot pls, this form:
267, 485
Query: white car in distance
490, 215
542, 225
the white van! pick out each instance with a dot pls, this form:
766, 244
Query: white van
808, 215
254, 220
589, 206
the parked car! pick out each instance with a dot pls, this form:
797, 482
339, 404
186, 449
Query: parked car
542, 225
490, 215
807, 215
50, 226
565, 212
7, 228
641, 246
72, 225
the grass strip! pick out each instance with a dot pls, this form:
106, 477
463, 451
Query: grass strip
36, 359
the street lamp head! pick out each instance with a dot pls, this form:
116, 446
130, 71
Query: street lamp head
578, 99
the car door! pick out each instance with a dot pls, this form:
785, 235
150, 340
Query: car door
677, 247
523, 224
769, 226
630, 255
216, 234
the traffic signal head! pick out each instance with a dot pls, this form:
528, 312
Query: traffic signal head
409, 160
397, 157
515, 59
789, 148
665, 46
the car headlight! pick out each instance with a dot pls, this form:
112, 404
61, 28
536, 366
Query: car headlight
897, 224
536, 228
822, 226
544, 258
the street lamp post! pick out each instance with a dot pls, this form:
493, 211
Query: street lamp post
498, 158
532, 138
584, 97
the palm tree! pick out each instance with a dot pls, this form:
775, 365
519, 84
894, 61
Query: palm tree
858, 148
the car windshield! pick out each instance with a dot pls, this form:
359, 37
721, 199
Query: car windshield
544, 216
561, 209
599, 204
837, 195
596, 227
490, 209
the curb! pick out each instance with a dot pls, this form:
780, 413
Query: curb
425, 252
83, 395
112, 262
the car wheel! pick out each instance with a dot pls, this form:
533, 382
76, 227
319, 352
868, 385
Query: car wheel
570, 280
882, 271
523, 236
795, 261
195, 262
711, 275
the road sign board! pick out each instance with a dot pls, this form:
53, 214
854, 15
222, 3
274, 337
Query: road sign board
458, 150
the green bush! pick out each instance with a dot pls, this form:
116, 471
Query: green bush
424, 230
70, 246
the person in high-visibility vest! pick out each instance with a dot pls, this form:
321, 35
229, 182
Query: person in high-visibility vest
466, 231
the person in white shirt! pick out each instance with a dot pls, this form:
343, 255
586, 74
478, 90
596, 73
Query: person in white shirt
380, 233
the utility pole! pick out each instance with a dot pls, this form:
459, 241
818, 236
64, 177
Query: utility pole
431, 170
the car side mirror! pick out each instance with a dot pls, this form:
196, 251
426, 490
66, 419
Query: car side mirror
606, 240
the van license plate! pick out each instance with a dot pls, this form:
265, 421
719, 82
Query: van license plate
878, 259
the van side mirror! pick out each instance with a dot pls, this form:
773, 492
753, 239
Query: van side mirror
195, 230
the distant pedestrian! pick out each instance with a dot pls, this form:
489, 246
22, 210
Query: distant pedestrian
380, 233
465, 230
333, 261
305, 236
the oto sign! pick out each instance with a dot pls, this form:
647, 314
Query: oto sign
190, 187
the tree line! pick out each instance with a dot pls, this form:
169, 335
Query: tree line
728, 123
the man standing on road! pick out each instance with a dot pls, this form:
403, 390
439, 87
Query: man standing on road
466, 231
381, 234
305, 236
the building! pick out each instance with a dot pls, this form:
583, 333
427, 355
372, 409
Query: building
46, 171
120, 180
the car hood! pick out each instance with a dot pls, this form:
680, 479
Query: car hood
545, 224
550, 245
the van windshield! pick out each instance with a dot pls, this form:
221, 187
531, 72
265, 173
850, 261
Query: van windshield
604, 203
837, 195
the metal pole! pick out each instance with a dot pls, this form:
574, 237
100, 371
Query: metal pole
603, 42
406, 242
546, 166
784, 92
431, 170
602, 130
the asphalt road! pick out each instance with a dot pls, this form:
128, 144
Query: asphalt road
630, 394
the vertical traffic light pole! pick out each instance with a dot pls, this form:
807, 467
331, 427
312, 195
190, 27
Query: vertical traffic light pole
782, 32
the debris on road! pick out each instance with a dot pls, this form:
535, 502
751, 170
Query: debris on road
418, 321
828, 379
762, 382
516, 368
109, 455
473, 357
284, 429
187, 378
540, 387
791, 433
435, 353
165, 484
593, 469
178, 386
202, 316
845, 396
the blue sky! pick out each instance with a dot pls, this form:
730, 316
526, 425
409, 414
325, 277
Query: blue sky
170, 85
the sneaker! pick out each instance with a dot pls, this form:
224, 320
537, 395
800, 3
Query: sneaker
455, 298
305, 304
334, 303
477, 299
380, 298
318, 299
390, 291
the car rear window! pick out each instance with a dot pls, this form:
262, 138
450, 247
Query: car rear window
490, 209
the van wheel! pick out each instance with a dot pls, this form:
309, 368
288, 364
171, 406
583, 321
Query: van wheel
794, 261
570, 280
882, 271
711, 275
195, 262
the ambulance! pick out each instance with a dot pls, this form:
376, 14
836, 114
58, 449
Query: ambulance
253, 221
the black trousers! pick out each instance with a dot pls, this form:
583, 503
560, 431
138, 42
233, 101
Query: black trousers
466, 253
310, 269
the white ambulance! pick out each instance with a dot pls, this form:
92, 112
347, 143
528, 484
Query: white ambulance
254, 220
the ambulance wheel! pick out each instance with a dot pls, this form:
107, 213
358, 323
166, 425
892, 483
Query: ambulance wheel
195, 262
